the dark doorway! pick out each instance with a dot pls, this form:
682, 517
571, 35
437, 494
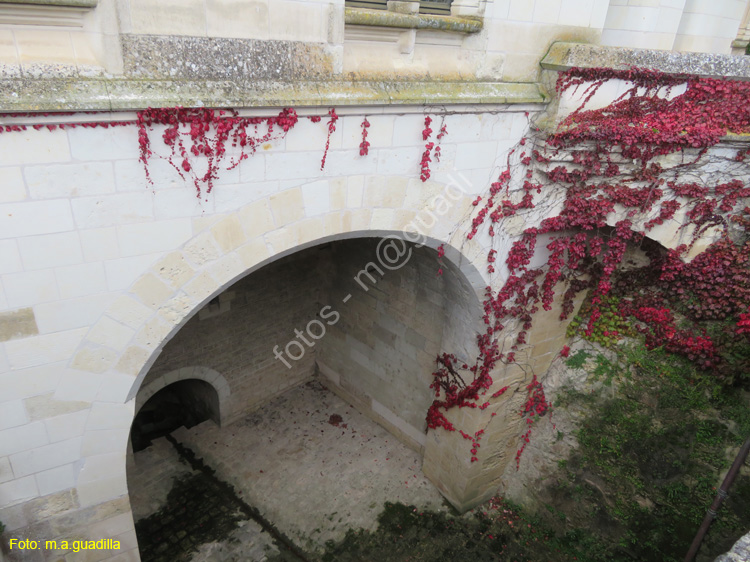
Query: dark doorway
186, 402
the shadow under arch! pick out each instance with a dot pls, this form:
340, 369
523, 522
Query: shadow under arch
210, 376
470, 277
373, 330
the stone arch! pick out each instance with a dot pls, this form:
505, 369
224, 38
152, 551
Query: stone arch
211, 376
121, 347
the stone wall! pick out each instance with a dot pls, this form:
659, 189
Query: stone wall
237, 331
382, 353
377, 348
100, 273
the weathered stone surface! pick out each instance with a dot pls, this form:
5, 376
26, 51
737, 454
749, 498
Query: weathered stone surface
102, 94
562, 56
17, 324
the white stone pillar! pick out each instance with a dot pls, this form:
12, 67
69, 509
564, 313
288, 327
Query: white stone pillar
642, 24
709, 27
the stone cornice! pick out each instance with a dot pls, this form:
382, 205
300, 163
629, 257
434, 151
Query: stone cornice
385, 18
563, 56
114, 94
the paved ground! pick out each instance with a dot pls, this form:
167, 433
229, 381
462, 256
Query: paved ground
308, 462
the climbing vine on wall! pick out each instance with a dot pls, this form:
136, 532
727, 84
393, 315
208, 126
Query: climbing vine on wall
622, 170
636, 164
207, 133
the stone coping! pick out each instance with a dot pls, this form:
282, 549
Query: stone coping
113, 94
385, 18
56, 3
563, 56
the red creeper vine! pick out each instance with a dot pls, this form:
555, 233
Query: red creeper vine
331, 129
425, 162
364, 146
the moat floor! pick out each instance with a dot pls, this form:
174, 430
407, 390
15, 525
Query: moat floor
308, 462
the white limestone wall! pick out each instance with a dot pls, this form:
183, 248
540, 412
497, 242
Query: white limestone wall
519, 32
98, 270
709, 27
679, 25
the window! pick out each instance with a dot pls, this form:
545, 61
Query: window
438, 7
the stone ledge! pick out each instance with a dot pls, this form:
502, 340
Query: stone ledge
563, 56
112, 94
383, 18
65, 3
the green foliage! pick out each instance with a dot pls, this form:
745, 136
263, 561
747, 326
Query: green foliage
610, 328
651, 456
577, 360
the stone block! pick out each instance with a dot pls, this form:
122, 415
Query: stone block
281, 239
45, 457
253, 252
12, 414
6, 473
148, 238
10, 259
78, 385
18, 323
173, 312
80, 280
28, 382
45, 406
129, 311
229, 198
115, 388
18, 490
34, 147
99, 244
40, 350
385, 192
399, 161
294, 165
228, 233
201, 249
14, 188
151, 290
56, 479
133, 360
22, 219
355, 191
71, 313
332, 224
50, 250
349, 162
297, 21
174, 269
70, 180
66, 426
202, 287
316, 198
180, 202
94, 492
114, 209
168, 17
546, 11
113, 143
153, 333
227, 269
99, 442
287, 207
237, 18
110, 333
521, 10
309, 230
